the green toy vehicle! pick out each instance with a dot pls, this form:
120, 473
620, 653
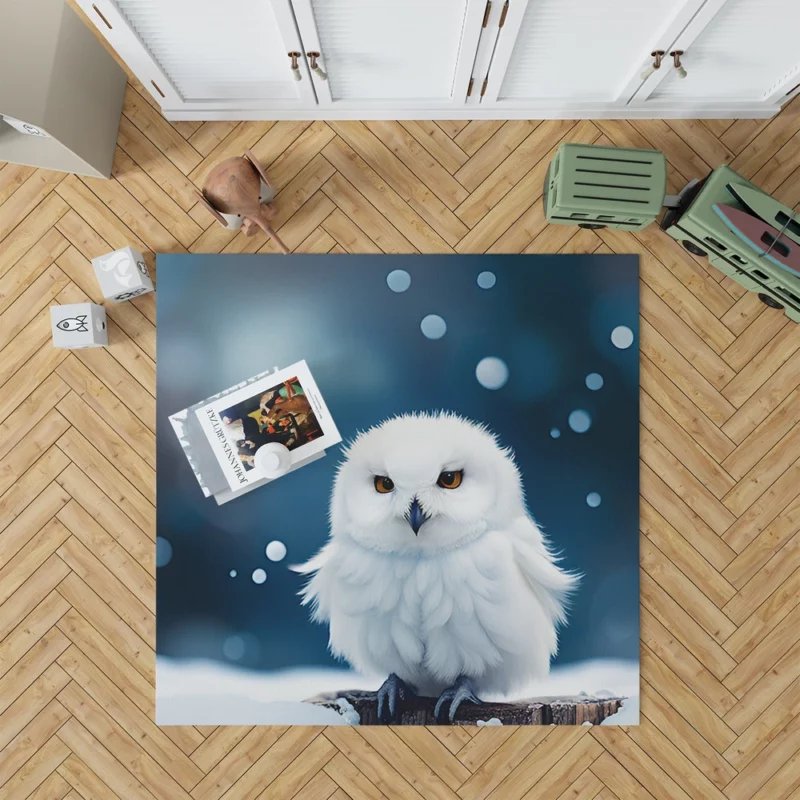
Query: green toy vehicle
702, 232
598, 187
605, 187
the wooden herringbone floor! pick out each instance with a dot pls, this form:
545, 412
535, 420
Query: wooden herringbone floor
720, 471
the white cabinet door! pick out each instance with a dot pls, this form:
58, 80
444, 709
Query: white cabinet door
734, 51
558, 54
390, 54
208, 54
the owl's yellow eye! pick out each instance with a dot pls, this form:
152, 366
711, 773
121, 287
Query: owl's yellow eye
383, 485
451, 480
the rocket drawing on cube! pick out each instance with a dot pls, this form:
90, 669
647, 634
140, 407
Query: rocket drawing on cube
78, 325
435, 575
122, 275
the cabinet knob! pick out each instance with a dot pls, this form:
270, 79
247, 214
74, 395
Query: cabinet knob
657, 56
295, 67
676, 60
315, 68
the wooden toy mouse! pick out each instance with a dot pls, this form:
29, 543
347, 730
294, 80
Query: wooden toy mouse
233, 194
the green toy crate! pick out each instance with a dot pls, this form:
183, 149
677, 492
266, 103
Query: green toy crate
702, 232
598, 187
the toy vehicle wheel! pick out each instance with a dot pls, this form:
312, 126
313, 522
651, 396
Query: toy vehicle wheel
592, 226
769, 301
693, 248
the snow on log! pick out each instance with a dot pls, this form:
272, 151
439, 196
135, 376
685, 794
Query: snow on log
575, 710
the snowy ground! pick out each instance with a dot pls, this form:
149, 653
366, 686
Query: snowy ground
210, 693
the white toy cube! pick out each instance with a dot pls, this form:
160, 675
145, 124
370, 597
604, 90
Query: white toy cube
78, 325
122, 274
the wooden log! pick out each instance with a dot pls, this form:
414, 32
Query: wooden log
534, 711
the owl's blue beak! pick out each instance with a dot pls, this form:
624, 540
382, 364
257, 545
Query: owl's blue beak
416, 516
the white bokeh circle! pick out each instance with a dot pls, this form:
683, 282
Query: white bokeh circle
163, 551
486, 280
579, 420
259, 576
398, 280
276, 551
594, 381
433, 326
622, 337
492, 372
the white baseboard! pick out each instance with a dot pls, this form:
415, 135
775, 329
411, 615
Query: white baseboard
650, 111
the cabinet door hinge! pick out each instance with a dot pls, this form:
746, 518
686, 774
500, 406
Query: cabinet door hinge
486, 13
503, 15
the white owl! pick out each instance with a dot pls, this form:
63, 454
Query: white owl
435, 574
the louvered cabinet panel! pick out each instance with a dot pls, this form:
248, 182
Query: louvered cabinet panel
583, 50
746, 51
208, 54
385, 51
435, 59
230, 49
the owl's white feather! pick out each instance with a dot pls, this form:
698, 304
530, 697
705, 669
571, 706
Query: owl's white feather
475, 593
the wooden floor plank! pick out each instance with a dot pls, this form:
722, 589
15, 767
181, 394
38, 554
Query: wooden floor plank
153, 161
26, 198
152, 739
119, 744
89, 760
354, 207
437, 143
344, 159
511, 170
30, 267
36, 770
515, 193
697, 713
142, 187
756, 618
767, 543
33, 493
33, 737
351, 780
685, 665
236, 762
12, 176
55, 787
436, 214
419, 161
101, 471
31, 629
31, 702
30, 230
25, 563
274, 761
673, 581
159, 131
668, 722
690, 633
112, 626
619, 782
769, 687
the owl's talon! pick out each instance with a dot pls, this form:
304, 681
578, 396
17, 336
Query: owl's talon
463, 689
392, 689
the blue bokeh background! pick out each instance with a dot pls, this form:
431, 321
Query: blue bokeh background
223, 318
